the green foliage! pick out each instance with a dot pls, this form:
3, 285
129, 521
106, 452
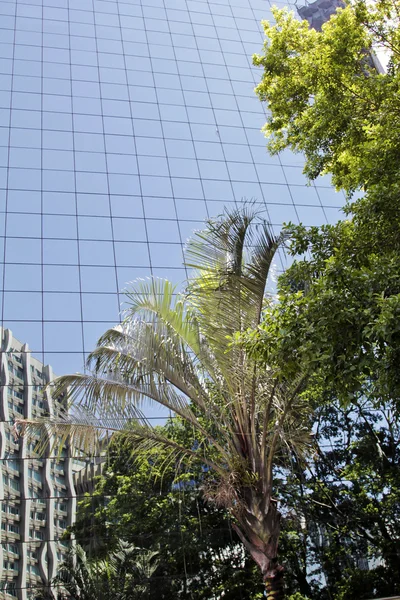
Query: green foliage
327, 100
343, 529
340, 509
125, 574
360, 584
337, 319
158, 506
338, 311
337, 315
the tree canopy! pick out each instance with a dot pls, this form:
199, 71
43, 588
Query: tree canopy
337, 311
156, 504
326, 98
340, 516
125, 573
337, 315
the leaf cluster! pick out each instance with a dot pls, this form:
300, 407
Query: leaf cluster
326, 98
338, 310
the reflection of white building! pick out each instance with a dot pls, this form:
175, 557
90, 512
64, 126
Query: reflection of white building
37, 495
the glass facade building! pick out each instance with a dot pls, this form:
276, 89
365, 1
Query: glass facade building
123, 125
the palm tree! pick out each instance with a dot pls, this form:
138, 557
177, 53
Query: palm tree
180, 351
133, 569
80, 578
77, 578
124, 575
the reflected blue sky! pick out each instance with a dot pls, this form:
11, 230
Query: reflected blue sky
123, 125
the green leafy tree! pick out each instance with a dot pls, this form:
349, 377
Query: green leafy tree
176, 349
159, 507
339, 303
326, 98
338, 311
349, 499
337, 319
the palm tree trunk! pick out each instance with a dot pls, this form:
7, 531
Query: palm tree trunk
274, 587
260, 535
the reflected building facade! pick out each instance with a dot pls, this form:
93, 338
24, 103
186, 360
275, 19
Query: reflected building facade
123, 125
37, 493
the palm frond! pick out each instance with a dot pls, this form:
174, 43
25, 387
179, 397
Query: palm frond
102, 398
88, 435
176, 350
171, 317
219, 248
113, 396
262, 253
83, 434
154, 299
232, 259
138, 348
137, 355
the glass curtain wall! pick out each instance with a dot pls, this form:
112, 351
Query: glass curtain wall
123, 126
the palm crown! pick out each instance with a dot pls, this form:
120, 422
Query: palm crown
177, 350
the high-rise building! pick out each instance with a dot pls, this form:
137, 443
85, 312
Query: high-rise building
123, 125
37, 493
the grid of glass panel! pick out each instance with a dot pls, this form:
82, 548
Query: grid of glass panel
124, 124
